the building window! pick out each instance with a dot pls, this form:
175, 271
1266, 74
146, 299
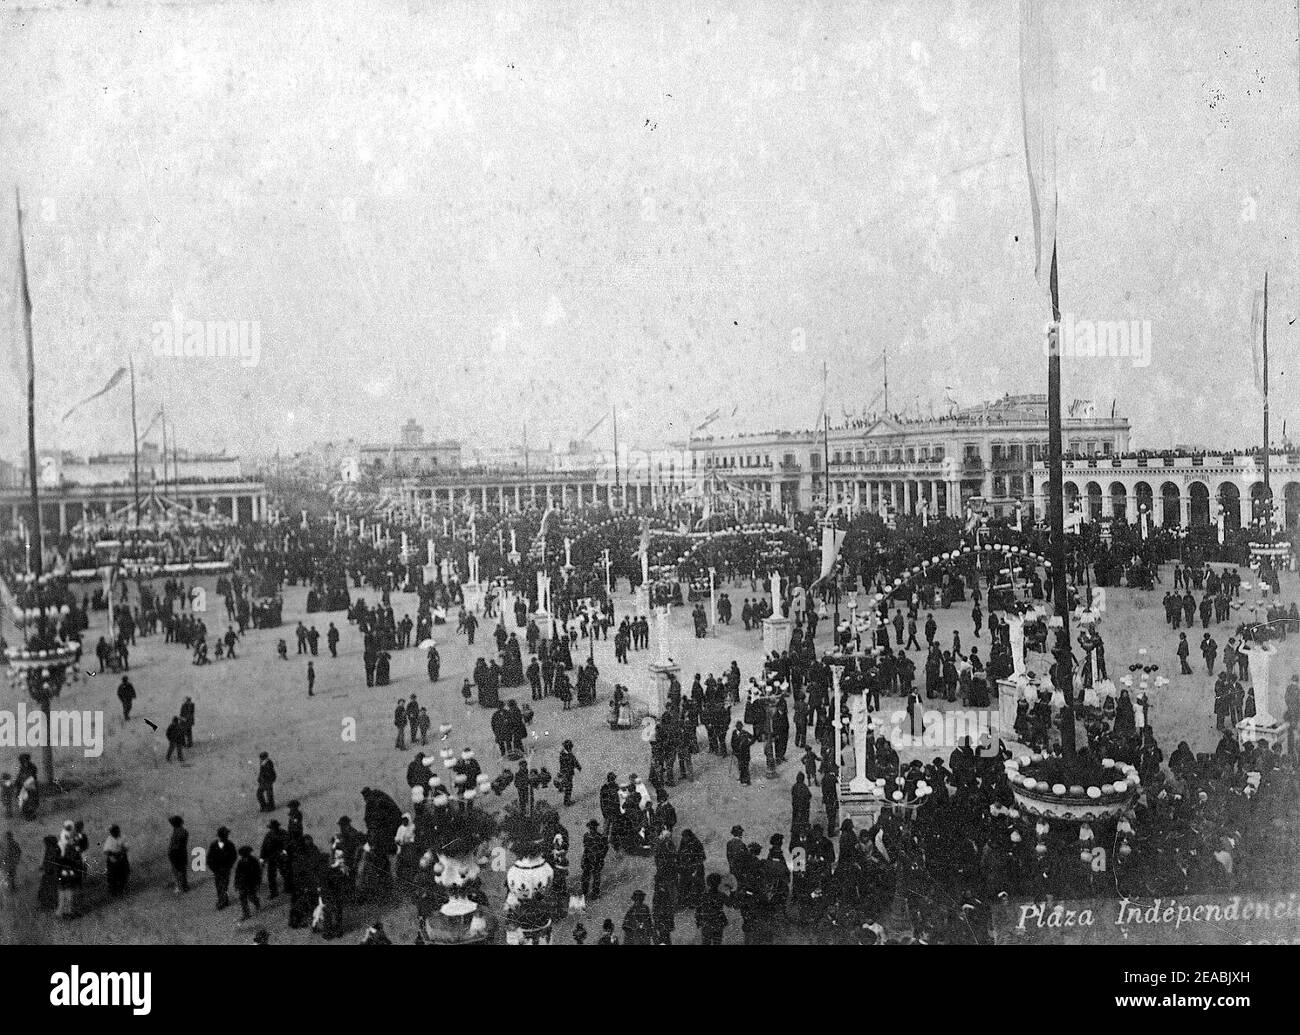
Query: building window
838, 457
911, 455
815, 461
860, 456
1106, 447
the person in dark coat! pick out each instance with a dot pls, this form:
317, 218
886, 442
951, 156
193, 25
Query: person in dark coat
248, 880
47, 891
690, 869
382, 817
178, 855
305, 864
831, 795
781, 728
275, 858
569, 766
266, 783
741, 742
710, 914
595, 847
221, 859
126, 694
609, 804
638, 924
800, 808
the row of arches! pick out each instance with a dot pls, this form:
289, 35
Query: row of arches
1199, 507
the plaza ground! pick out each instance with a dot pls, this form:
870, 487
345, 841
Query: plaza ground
259, 703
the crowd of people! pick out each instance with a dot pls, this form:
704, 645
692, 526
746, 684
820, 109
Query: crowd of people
941, 857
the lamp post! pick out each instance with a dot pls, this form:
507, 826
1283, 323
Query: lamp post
713, 602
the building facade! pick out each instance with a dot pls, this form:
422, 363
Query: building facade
73, 488
1180, 487
987, 452
410, 456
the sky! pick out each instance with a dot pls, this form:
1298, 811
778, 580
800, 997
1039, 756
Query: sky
488, 214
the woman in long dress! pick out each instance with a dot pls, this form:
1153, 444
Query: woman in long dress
47, 892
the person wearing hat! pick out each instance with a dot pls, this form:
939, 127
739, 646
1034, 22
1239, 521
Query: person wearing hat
266, 783
737, 853
607, 937
741, 741
569, 765
248, 880
295, 827
221, 862
610, 806
274, 856
595, 847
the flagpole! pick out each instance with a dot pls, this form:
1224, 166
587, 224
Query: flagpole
26, 303
135, 446
1268, 491
826, 444
1056, 518
884, 358
618, 488
164, 448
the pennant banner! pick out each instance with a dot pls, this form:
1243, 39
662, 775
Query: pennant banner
1256, 339
1038, 110
832, 541
112, 383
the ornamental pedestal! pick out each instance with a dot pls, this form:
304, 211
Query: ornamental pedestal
776, 634
1268, 732
650, 696
542, 620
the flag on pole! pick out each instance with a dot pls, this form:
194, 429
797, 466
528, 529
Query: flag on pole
537, 552
832, 540
1038, 110
112, 383
1256, 338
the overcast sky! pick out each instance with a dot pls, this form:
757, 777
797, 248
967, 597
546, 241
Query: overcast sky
481, 214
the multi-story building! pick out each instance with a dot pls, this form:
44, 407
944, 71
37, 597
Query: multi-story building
73, 488
1179, 486
986, 451
410, 456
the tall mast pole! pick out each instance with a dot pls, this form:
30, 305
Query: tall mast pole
32, 478
618, 488
164, 449
1056, 518
826, 440
135, 445
1268, 491
884, 355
